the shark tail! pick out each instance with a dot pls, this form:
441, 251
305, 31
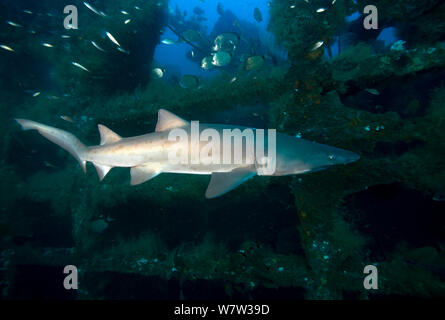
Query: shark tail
62, 138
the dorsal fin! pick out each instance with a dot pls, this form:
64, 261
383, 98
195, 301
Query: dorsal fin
102, 171
106, 135
168, 120
143, 173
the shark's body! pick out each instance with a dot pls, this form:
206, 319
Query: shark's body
148, 155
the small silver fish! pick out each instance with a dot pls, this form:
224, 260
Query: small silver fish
27, 11
439, 197
206, 63
110, 36
373, 91
124, 12
257, 15
48, 45
254, 62
98, 226
168, 41
127, 21
89, 6
320, 10
66, 118
80, 66
227, 41
123, 50
158, 73
317, 45
221, 58
36, 94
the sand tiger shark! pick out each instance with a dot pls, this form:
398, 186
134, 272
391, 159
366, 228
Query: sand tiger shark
148, 155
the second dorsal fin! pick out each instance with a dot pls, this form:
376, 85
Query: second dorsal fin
107, 136
168, 120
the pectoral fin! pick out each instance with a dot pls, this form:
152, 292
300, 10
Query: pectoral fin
140, 174
222, 182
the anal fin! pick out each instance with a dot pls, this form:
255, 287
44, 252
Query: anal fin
223, 182
140, 174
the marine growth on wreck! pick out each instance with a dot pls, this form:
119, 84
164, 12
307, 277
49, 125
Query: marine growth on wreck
309, 69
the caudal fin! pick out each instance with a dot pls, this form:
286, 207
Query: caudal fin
62, 138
